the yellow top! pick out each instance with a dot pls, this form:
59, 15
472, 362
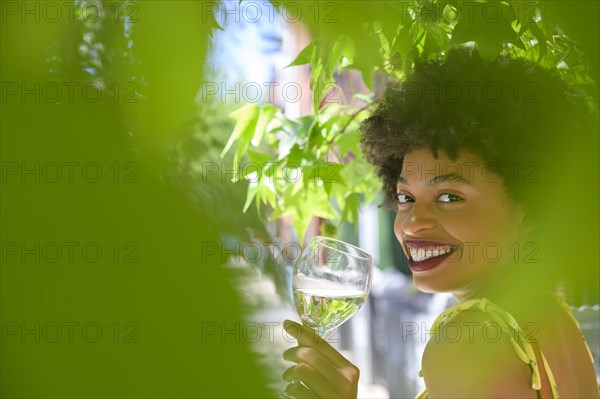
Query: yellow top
509, 325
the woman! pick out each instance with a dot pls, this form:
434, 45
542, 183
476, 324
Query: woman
466, 153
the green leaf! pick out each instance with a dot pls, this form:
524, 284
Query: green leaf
317, 85
403, 44
328, 175
310, 174
286, 143
303, 208
258, 157
540, 37
246, 117
267, 112
253, 189
295, 155
348, 142
294, 134
435, 41
305, 55
342, 46
213, 24
488, 32
314, 138
368, 59
351, 207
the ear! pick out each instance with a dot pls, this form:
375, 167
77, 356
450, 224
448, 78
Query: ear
526, 224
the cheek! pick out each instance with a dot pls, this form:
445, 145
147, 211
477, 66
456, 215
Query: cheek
494, 224
468, 225
398, 225
462, 229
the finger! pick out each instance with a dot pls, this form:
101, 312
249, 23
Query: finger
306, 337
311, 378
314, 358
298, 391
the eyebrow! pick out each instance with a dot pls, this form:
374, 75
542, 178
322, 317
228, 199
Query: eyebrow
452, 178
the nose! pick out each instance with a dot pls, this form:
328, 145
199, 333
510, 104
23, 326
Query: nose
417, 220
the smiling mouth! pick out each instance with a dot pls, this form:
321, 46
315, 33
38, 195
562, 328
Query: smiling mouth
426, 255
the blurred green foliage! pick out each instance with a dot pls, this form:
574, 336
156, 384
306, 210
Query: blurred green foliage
137, 319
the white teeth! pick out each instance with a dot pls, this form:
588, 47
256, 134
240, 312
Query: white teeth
423, 253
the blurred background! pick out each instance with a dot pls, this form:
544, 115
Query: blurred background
135, 260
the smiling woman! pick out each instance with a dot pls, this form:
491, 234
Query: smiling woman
474, 176
470, 176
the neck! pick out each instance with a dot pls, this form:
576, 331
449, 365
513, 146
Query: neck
491, 288
513, 288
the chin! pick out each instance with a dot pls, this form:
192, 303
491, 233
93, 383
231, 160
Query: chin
433, 285
429, 286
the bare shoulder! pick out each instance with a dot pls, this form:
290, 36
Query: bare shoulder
472, 356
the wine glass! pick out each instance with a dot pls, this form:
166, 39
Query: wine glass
330, 282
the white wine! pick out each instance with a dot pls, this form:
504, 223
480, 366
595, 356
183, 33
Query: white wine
324, 308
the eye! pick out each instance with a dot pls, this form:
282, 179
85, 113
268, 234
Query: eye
404, 199
448, 198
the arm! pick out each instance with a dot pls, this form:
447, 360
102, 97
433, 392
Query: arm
470, 359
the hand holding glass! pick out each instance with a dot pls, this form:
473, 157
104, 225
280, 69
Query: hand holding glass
330, 282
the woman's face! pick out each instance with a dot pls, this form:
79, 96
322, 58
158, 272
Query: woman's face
456, 224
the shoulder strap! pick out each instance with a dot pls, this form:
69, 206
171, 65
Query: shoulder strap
422, 395
548, 385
